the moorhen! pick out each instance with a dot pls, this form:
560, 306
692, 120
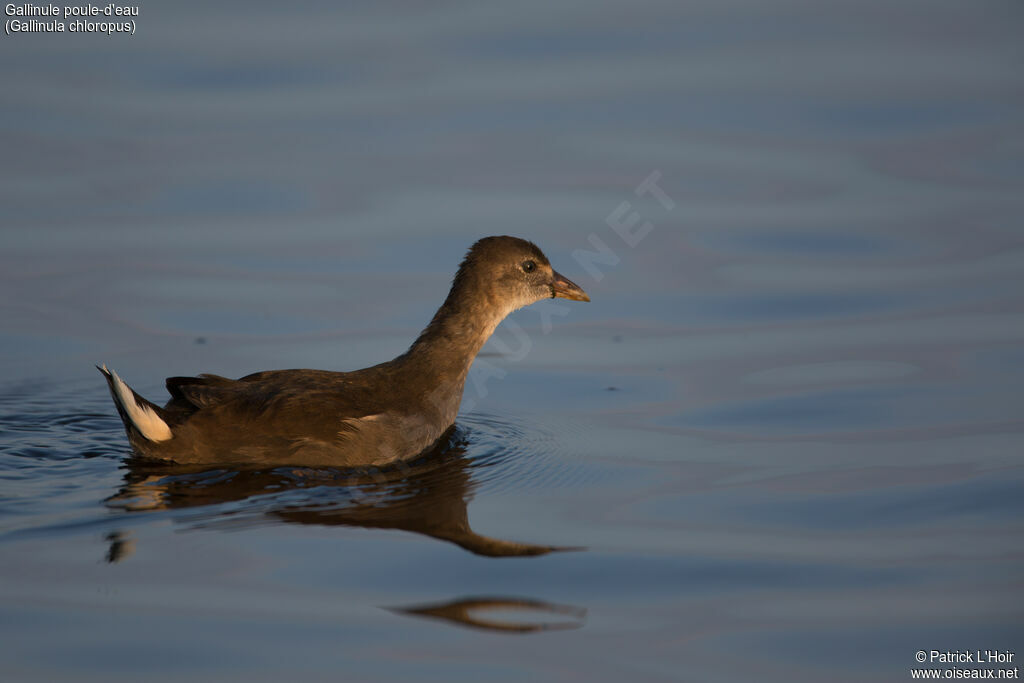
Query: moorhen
376, 416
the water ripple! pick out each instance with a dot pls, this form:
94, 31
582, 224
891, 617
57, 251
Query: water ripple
511, 454
66, 466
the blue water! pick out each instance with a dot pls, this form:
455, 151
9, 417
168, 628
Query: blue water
783, 441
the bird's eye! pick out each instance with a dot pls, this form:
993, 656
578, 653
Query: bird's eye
529, 266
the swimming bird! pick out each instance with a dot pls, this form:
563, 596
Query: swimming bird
376, 416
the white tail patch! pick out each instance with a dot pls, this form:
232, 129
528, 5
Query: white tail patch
143, 418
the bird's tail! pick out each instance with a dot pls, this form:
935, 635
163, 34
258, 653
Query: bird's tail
139, 415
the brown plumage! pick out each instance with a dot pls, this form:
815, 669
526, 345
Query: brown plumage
375, 416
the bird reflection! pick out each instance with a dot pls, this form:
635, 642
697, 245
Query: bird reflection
428, 496
496, 614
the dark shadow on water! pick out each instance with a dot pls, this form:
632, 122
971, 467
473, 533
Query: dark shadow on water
428, 496
121, 546
496, 614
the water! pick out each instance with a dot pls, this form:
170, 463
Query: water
783, 442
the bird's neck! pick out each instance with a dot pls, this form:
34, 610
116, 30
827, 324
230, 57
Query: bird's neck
446, 348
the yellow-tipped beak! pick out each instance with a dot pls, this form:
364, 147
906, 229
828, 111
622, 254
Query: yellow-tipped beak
565, 288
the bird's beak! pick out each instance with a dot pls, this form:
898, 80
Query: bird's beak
565, 288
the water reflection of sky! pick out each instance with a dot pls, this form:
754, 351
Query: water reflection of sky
787, 428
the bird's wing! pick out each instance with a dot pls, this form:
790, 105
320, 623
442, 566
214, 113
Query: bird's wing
202, 391
298, 397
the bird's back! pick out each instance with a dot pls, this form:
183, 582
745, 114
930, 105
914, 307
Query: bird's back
308, 417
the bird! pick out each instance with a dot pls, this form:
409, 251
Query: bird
374, 417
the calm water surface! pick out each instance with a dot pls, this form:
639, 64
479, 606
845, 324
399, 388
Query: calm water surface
782, 443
